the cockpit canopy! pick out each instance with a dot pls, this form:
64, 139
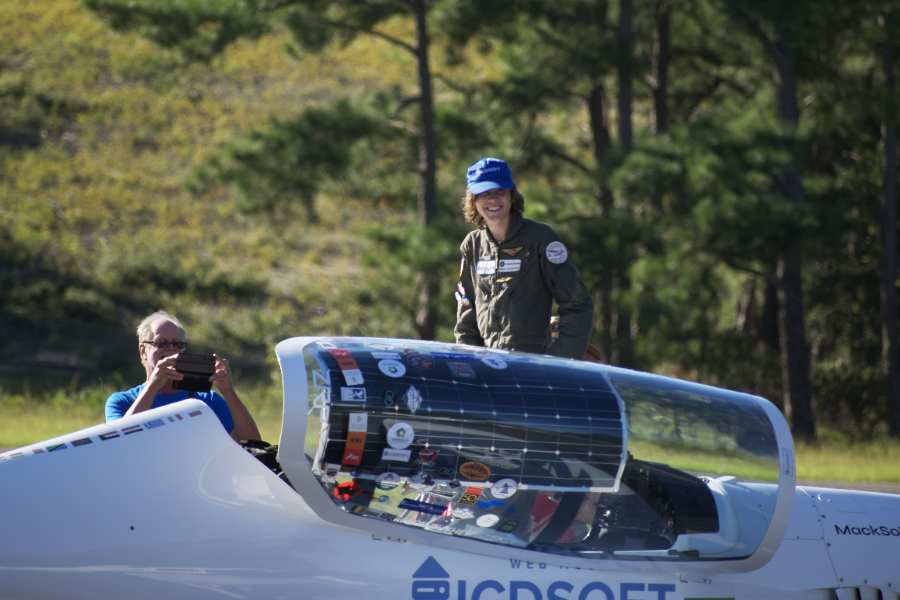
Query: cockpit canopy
524, 451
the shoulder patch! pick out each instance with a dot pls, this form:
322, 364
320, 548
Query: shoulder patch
556, 252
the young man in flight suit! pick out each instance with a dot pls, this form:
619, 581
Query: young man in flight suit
512, 269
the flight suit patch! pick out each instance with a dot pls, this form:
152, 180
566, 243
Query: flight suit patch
512, 251
486, 267
510, 265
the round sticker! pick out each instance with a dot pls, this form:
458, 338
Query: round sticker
420, 362
475, 471
504, 488
392, 368
494, 362
400, 436
347, 490
487, 520
556, 253
388, 481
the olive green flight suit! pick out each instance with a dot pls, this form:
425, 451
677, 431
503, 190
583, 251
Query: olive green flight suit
506, 292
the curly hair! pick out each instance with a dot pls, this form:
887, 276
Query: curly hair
467, 203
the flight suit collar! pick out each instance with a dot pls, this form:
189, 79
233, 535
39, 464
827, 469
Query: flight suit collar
515, 224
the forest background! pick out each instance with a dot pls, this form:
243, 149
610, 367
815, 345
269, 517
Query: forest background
723, 174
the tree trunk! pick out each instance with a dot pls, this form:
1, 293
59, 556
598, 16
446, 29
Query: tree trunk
890, 354
625, 43
600, 144
426, 320
662, 55
794, 350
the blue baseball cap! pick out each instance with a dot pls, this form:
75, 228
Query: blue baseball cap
489, 174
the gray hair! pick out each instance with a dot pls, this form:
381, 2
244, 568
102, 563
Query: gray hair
143, 330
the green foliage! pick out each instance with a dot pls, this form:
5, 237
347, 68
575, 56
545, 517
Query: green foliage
287, 163
184, 160
200, 29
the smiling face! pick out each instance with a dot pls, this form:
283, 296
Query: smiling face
494, 207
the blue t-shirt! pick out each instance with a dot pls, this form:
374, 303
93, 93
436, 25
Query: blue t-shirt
119, 403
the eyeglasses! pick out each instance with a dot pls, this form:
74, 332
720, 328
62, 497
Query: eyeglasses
163, 344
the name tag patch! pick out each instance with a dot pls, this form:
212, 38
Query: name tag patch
486, 267
510, 265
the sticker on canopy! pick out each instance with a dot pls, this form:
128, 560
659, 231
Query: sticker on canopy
427, 455
556, 253
352, 456
420, 481
487, 520
494, 362
388, 481
508, 526
359, 421
453, 356
510, 265
382, 355
420, 361
475, 471
347, 490
382, 346
393, 454
388, 398
422, 507
392, 368
400, 435
353, 394
331, 471
348, 366
328, 345
504, 488
486, 267
463, 513
356, 439
353, 377
461, 369
470, 496
413, 399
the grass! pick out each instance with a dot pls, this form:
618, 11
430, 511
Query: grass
875, 461
29, 418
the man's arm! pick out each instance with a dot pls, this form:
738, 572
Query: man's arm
162, 373
244, 425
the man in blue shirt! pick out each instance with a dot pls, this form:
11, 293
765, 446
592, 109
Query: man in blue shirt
160, 341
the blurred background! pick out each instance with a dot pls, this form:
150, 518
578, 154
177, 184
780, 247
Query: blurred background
723, 173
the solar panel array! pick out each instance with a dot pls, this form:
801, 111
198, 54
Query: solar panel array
470, 415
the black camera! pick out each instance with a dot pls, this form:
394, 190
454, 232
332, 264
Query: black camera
196, 369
